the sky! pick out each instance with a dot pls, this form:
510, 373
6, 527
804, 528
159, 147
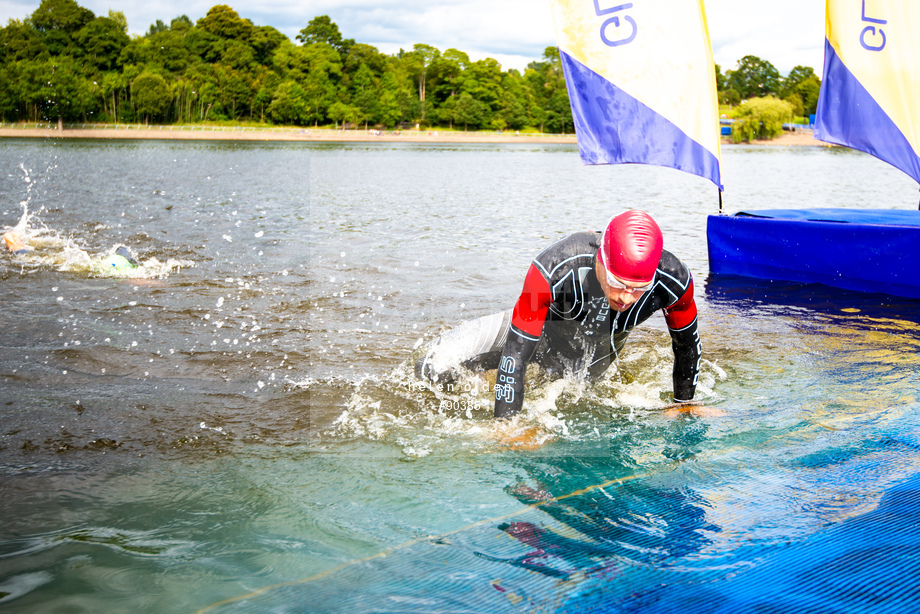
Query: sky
787, 33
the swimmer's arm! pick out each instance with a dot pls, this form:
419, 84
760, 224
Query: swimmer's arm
526, 327
688, 352
509, 381
685, 342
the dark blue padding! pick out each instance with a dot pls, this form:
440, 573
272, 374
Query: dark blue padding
851, 249
849, 115
615, 128
888, 217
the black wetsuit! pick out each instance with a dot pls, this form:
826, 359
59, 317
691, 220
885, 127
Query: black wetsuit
562, 320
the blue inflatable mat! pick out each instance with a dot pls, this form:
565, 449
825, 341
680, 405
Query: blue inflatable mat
886, 217
855, 249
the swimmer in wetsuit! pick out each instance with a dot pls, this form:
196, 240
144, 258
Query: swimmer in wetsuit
581, 298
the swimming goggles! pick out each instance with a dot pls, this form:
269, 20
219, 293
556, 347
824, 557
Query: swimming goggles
615, 283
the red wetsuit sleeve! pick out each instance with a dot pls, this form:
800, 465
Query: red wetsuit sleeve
683, 311
533, 304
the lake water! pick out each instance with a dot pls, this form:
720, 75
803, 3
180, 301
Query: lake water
235, 426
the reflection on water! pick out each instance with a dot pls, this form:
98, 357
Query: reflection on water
864, 345
244, 431
616, 522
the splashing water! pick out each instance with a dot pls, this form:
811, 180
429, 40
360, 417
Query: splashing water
421, 416
35, 244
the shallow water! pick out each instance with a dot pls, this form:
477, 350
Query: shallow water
238, 428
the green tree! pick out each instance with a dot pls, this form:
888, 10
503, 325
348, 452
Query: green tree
181, 23
319, 93
157, 28
265, 40
559, 113
794, 78
550, 109
754, 77
809, 90
364, 94
322, 29
398, 103
203, 44
113, 88
359, 55
224, 22
323, 68
289, 58
341, 112
30, 81
8, 97
208, 91
235, 91
447, 110
418, 61
65, 93
514, 105
448, 73
20, 41
483, 80
58, 21
151, 96
267, 86
167, 50
760, 118
730, 97
238, 55
537, 116
289, 105
469, 111
224, 66
60, 15
388, 105
119, 18
102, 41
795, 101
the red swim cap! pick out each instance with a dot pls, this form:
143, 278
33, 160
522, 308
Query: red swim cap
631, 247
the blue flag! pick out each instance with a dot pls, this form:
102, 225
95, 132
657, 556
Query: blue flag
641, 82
870, 94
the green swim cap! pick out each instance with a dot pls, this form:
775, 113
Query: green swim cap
118, 263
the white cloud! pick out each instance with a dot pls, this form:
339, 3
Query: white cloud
786, 33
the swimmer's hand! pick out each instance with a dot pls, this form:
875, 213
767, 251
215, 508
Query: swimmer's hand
691, 408
15, 243
520, 437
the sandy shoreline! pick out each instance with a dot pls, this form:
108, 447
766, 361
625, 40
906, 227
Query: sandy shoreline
802, 138
306, 135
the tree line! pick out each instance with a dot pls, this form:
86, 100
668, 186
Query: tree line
64, 63
757, 78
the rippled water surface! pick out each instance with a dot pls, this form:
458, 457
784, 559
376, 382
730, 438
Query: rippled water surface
235, 425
